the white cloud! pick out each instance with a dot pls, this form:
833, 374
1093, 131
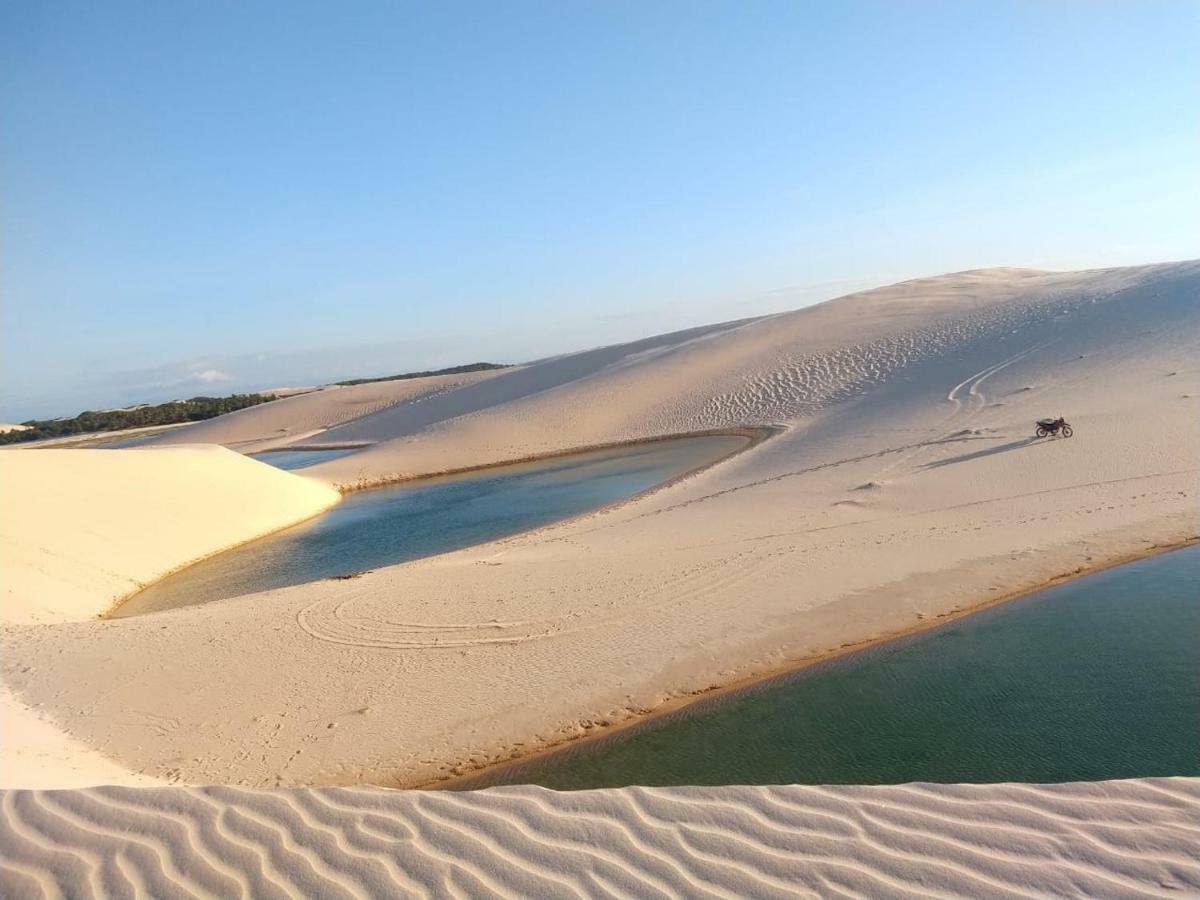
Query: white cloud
211, 376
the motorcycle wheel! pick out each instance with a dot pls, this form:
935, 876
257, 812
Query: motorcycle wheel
1067, 431
1041, 431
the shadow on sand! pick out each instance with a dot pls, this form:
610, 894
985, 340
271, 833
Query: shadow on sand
980, 454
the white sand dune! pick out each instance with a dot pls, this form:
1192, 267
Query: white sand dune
83, 528
307, 416
904, 486
787, 368
1104, 839
508, 388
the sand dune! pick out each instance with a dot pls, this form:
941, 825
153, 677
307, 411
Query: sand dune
83, 528
306, 417
512, 386
1106, 839
781, 369
903, 485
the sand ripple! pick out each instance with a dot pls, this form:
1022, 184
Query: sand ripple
800, 384
1123, 838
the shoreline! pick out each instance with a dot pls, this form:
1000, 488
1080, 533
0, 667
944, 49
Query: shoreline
762, 679
107, 615
754, 436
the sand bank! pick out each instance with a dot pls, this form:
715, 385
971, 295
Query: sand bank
1118, 838
903, 485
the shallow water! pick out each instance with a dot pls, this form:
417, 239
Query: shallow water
382, 527
301, 459
1094, 679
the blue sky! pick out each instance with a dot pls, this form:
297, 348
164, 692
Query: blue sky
202, 197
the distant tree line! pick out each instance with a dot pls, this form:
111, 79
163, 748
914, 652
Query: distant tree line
456, 370
177, 411
193, 410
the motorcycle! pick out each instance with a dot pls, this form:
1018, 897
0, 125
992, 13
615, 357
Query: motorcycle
1054, 426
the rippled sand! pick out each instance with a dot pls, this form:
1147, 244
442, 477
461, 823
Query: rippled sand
1121, 838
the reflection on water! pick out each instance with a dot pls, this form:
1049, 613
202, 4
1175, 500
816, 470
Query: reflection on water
386, 526
1094, 679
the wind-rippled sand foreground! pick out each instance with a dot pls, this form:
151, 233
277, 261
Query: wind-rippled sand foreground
1104, 839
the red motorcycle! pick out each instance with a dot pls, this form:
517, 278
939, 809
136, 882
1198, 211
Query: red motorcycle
1054, 426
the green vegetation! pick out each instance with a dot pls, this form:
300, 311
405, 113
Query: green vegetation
455, 370
176, 411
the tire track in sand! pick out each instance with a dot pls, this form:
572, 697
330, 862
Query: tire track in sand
965, 410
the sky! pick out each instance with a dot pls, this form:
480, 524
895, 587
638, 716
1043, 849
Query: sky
208, 197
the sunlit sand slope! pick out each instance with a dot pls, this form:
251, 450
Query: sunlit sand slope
1105, 839
307, 417
789, 367
82, 528
510, 388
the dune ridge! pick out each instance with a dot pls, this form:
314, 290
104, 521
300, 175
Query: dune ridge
1138, 838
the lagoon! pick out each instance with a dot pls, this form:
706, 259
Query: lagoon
390, 525
1097, 678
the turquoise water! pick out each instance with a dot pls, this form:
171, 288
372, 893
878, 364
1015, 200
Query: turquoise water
1094, 679
382, 527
